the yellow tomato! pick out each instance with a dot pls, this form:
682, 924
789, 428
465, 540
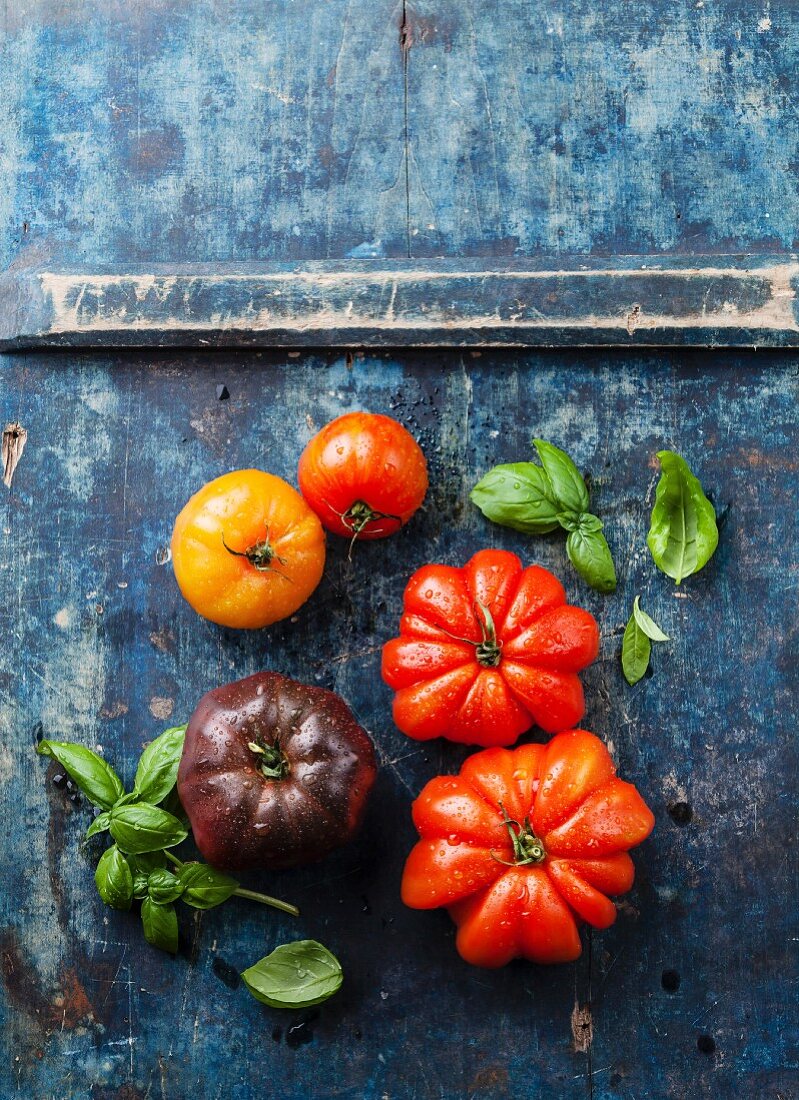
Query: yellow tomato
247, 550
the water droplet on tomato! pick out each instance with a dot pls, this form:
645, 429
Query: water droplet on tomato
453, 840
520, 773
428, 594
260, 689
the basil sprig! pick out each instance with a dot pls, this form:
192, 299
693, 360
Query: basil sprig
683, 534
636, 646
537, 499
134, 866
295, 975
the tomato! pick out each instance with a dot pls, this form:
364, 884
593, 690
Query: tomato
364, 475
273, 773
487, 651
247, 550
525, 844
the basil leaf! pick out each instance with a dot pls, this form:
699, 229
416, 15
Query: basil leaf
145, 828
139, 886
160, 923
144, 862
647, 624
99, 825
98, 780
569, 521
163, 886
114, 879
517, 495
683, 534
203, 887
295, 975
158, 766
126, 799
590, 555
636, 649
568, 486
582, 521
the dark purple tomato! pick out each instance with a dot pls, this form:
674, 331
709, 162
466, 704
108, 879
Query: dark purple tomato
273, 774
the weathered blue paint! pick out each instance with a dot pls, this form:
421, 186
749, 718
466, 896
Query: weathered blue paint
636, 300
97, 641
174, 132
614, 127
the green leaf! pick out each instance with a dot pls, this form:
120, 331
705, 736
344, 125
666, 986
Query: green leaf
114, 879
145, 828
203, 887
126, 799
517, 495
99, 825
139, 886
145, 862
590, 555
295, 975
163, 886
158, 766
160, 924
98, 780
647, 624
570, 521
683, 534
636, 649
568, 486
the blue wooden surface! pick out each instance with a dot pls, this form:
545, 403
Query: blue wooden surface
169, 131
177, 131
97, 641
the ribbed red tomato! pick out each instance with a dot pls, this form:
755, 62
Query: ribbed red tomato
525, 844
364, 475
487, 651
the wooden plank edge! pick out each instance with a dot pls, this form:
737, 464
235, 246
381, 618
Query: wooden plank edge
728, 301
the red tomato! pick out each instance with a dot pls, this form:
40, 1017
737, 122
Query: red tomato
523, 845
487, 651
364, 475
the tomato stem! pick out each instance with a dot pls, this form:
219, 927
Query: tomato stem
260, 556
489, 650
242, 892
358, 516
527, 847
272, 763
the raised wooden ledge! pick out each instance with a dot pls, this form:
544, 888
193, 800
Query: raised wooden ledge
721, 301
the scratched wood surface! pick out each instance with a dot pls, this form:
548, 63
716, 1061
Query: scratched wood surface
99, 647
174, 132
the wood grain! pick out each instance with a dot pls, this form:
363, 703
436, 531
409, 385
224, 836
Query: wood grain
616, 128
97, 642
